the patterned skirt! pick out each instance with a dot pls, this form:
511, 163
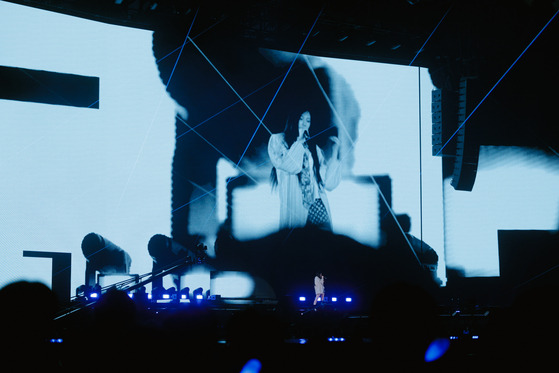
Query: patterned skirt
318, 215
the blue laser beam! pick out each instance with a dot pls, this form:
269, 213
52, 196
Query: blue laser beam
193, 38
353, 143
429, 37
228, 107
87, 257
498, 81
205, 194
214, 189
227, 82
281, 84
241, 99
153, 119
211, 145
182, 48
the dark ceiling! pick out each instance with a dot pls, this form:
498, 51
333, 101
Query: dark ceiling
467, 34
507, 50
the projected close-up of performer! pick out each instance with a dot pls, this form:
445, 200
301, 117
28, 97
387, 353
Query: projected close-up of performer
302, 174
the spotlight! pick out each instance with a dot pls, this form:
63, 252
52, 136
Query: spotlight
184, 293
348, 300
94, 295
336, 339
163, 295
198, 295
334, 299
302, 299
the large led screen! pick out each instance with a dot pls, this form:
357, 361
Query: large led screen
177, 142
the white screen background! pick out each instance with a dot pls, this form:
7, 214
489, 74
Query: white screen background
70, 171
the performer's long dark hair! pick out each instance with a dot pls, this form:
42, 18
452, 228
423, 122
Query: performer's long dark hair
291, 132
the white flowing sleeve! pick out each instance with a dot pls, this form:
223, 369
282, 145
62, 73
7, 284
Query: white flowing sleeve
330, 171
283, 158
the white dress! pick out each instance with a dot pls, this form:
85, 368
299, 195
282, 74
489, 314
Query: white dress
288, 162
319, 285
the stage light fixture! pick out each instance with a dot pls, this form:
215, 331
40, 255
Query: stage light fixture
184, 293
302, 299
348, 300
336, 339
94, 295
334, 299
198, 295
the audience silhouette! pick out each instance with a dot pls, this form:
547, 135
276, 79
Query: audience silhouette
119, 334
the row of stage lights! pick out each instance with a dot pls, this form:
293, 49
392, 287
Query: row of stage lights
303, 299
197, 295
160, 295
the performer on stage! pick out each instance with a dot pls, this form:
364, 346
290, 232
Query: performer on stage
319, 288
